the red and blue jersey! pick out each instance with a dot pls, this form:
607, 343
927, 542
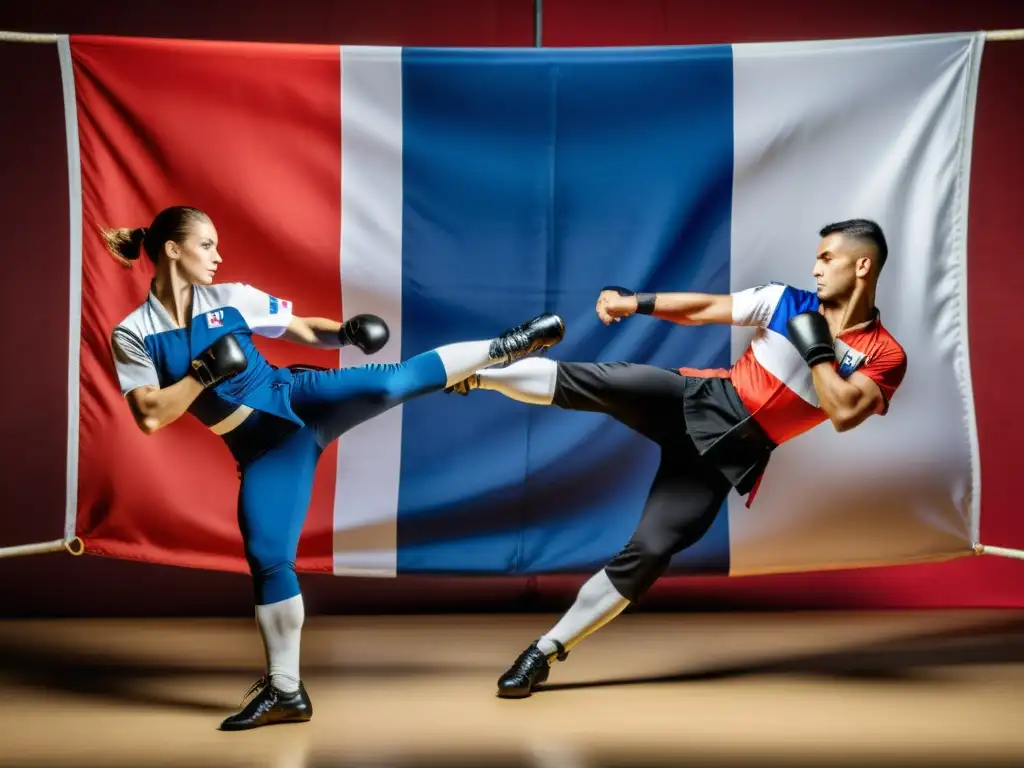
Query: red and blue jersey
772, 379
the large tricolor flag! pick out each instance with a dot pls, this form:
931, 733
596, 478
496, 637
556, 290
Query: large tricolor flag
459, 192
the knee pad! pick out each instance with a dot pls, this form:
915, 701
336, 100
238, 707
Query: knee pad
636, 567
273, 581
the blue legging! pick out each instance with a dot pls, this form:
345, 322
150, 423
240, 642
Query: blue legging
276, 486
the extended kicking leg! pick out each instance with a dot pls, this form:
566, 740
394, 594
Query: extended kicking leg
333, 401
462, 359
529, 381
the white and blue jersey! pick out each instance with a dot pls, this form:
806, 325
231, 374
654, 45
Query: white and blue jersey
275, 421
150, 349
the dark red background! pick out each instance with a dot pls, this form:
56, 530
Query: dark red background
33, 291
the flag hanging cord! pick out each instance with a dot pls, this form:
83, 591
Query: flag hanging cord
984, 549
996, 35
73, 546
26, 37
1005, 34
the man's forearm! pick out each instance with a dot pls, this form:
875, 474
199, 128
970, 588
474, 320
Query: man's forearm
838, 397
693, 308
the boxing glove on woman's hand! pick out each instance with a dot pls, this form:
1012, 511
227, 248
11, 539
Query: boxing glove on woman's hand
221, 360
368, 332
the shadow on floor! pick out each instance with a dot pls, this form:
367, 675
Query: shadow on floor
119, 678
907, 658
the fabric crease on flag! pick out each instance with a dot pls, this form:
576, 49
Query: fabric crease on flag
457, 192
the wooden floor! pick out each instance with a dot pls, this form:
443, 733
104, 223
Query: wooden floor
943, 688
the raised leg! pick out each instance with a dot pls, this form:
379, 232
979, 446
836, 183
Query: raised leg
334, 401
645, 398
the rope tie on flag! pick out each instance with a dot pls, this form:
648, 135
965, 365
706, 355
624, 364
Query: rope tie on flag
69, 547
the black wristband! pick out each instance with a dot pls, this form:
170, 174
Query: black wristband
645, 303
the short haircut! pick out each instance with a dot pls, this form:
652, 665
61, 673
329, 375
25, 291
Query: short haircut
862, 229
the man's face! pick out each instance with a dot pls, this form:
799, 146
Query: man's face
840, 263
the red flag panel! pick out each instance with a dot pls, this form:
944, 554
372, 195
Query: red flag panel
251, 134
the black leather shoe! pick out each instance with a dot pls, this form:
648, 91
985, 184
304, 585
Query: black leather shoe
270, 706
531, 668
539, 333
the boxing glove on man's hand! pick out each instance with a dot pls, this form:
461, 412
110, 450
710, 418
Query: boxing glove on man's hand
368, 332
221, 360
810, 335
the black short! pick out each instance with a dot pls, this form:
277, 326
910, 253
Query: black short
647, 399
688, 489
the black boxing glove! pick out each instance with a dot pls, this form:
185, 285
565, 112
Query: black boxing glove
644, 301
810, 335
368, 332
221, 360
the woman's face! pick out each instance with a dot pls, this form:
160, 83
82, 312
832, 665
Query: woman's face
197, 257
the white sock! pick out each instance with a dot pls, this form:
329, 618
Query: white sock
530, 380
463, 359
281, 628
597, 603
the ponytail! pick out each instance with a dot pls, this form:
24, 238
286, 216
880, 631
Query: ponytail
125, 244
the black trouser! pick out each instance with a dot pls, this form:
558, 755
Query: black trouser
687, 491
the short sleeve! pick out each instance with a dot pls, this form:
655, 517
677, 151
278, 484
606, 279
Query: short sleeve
265, 314
132, 362
887, 369
755, 306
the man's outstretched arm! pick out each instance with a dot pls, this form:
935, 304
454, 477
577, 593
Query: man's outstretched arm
685, 308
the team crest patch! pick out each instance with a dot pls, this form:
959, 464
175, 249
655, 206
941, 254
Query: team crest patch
850, 362
215, 319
